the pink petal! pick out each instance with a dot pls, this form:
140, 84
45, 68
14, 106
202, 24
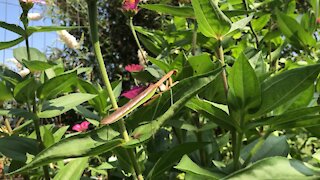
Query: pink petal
132, 93
130, 5
85, 125
77, 127
134, 68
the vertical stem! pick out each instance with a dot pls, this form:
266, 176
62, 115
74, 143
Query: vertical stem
224, 74
136, 38
236, 137
245, 4
194, 38
92, 11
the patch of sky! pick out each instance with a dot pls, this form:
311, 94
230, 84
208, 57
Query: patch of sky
10, 12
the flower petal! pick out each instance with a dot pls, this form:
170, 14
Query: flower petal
134, 68
132, 93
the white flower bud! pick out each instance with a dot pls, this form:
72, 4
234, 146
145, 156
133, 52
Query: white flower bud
24, 72
142, 56
69, 39
35, 16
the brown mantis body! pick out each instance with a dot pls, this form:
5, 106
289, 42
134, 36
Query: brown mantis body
138, 100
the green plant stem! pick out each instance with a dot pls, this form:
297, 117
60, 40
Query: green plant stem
92, 11
223, 74
245, 4
194, 38
237, 148
136, 38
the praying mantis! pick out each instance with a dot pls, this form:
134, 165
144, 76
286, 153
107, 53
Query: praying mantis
138, 100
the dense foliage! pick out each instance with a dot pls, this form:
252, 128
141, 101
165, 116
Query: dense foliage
241, 100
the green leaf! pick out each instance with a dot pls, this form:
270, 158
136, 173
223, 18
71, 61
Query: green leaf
183, 11
244, 93
73, 170
161, 64
293, 31
272, 146
239, 25
214, 114
9, 44
81, 145
12, 27
33, 29
287, 117
55, 107
281, 88
5, 93
48, 138
57, 85
17, 148
201, 64
21, 54
25, 90
259, 23
181, 93
275, 168
188, 166
168, 159
212, 22
37, 65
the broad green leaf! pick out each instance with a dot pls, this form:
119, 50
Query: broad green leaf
259, 23
55, 107
33, 29
57, 85
201, 64
293, 31
272, 146
162, 110
281, 88
21, 54
58, 134
183, 11
161, 64
287, 117
212, 22
81, 145
48, 138
239, 25
168, 159
9, 44
188, 166
5, 93
16, 147
214, 114
37, 65
244, 93
275, 168
73, 170
25, 90
12, 27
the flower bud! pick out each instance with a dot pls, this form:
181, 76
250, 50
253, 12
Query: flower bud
35, 16
69, 39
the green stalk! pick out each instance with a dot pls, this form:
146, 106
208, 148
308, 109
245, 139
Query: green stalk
136, 38
236, 139
34, 109
92, 11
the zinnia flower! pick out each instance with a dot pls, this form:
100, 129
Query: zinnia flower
132, 93
81, 127
130, 6
134, 68
68, 39
34, 1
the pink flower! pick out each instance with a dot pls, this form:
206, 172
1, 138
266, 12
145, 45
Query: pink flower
130, 5
81, 127
132, 93
134, 68
34, 1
